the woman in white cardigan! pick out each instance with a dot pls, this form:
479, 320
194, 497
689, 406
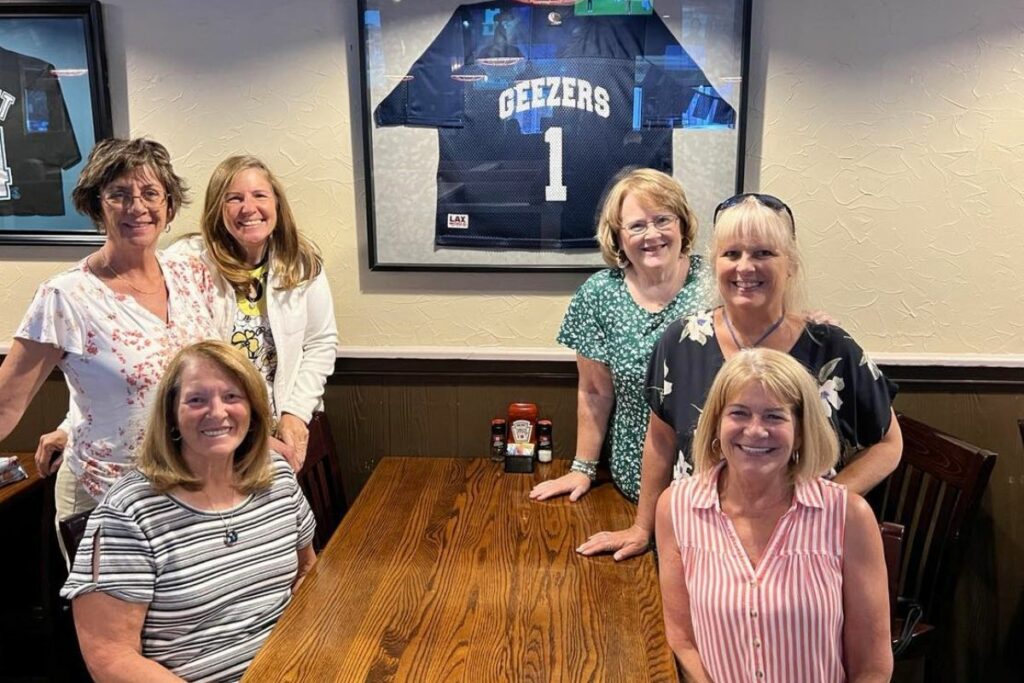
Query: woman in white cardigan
275, 300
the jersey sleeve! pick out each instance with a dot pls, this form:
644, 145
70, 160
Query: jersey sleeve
856, 392
114, 557
673, 89
581, 328
48, 123
428, 95
52, 319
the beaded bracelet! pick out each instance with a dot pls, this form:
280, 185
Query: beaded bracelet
587, 467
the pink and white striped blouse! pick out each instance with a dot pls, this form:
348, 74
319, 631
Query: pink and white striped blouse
781, 622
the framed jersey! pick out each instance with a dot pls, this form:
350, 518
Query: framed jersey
492, 129
54, 106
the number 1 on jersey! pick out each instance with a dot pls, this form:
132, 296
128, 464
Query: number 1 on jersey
554, 191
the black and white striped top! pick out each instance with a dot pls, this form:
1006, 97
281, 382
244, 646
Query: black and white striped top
210, 606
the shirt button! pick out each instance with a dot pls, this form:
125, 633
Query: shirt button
760, 674
753, 613
757, 644
753, 583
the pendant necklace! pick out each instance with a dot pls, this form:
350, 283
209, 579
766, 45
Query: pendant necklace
230, 535
767, 333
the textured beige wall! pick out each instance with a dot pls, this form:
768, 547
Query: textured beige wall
896, 130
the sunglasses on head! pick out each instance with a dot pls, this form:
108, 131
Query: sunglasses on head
772, 202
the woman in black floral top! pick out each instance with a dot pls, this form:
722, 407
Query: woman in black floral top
646, 229
757, 270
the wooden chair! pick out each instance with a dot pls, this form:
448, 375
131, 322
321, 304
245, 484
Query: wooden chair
320, 480
72, 530
892, 547
934, 494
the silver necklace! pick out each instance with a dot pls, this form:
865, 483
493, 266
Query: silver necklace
230, 535
110, 266
767, 333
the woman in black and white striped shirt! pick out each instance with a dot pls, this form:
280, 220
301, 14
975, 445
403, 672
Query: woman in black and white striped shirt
189, 561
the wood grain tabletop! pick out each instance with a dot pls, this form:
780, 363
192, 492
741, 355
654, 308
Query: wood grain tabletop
444, 570
9, 492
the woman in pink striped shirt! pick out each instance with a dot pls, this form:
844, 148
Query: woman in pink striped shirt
770, 573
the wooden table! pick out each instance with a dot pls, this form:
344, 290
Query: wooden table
444, 570
12, 491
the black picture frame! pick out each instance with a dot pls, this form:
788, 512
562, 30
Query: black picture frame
55, 103
405, 219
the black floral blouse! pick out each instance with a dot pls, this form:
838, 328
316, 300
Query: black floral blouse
856, 395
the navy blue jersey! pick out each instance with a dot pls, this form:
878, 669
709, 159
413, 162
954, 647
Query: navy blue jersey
36, 138
537, 110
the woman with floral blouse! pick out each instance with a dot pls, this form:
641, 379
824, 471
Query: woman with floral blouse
111, 322
271, 298
646, 230
758, 273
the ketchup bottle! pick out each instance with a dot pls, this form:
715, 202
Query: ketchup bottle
522, 427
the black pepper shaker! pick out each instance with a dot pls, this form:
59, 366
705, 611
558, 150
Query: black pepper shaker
498, 440
545, 444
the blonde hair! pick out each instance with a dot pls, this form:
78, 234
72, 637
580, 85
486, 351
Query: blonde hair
294, 259
750, 220
652, 188
112, 158
161, 458
787, 380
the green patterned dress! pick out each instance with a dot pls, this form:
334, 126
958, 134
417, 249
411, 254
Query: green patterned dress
605, 324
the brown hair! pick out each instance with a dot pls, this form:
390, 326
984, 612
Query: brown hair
161, 458
652, 188
785, 378
112, 158
295, 260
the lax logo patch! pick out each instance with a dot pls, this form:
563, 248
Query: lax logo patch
458, 221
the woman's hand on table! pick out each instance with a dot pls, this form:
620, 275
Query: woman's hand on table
50, 443
576, 484
623, 544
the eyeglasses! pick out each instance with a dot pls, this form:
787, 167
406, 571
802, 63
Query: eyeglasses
119, 199
772, 202
659, 223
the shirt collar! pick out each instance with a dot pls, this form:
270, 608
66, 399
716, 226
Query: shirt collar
705, 494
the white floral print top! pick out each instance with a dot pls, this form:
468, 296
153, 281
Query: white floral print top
856, 396
115, 352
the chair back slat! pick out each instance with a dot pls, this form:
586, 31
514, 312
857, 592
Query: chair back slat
907, 503
892, 548
884, 498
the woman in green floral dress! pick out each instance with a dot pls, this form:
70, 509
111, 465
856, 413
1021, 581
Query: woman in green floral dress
646, 230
